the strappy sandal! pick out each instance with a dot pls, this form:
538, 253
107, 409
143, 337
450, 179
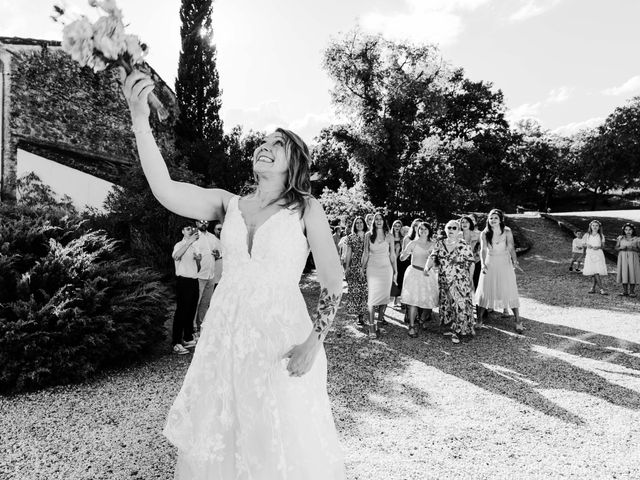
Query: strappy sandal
519, 328
373, 334
412, 332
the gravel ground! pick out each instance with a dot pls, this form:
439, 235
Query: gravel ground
562, 401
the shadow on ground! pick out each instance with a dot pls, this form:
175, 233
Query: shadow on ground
497, 360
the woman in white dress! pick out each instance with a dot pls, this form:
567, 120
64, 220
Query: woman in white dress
419, 291
254, 405
497, 287
594, 265
379, 264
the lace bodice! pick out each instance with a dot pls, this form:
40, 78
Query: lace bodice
279, 250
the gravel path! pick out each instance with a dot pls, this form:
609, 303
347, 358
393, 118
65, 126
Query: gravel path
562, 401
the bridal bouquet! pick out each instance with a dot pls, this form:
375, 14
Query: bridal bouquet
104, 43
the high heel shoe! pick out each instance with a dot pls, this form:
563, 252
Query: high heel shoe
519, 328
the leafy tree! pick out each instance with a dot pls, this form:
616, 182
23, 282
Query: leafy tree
331, 157
235, 172
397, 95
619, 144
199, 127
390, 93
344, 204
541, 155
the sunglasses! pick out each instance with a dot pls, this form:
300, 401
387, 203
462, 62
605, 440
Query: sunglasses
452, 228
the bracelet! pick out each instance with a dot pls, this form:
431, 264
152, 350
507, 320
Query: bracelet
141, 130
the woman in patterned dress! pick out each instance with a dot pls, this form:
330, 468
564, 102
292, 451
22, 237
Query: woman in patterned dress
356, 303
453, 257
628, 273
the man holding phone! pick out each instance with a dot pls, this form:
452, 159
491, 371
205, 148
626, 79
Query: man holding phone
187, 259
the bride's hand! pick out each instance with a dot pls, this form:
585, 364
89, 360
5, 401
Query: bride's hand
301, 357
136, 88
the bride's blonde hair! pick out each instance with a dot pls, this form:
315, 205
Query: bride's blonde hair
297, 189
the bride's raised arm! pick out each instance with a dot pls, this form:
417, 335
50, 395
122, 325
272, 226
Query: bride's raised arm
182, 198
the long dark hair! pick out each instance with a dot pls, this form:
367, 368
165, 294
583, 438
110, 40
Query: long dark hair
353, 225
631, 226
487, 229
374, 231
297, 190
399, 230
414, 228
428, 227
472, 224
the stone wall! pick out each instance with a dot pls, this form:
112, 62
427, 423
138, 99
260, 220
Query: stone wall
54, 100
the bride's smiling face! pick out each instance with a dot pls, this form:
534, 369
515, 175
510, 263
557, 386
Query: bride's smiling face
271, 156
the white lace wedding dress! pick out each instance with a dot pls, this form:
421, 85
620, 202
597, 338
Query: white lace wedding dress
239, 415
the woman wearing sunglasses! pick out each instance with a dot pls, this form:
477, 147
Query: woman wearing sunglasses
453, 257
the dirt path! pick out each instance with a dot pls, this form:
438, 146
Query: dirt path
562, 401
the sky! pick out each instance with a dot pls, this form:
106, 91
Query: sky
566, 63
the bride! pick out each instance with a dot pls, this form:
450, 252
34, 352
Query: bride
254, 405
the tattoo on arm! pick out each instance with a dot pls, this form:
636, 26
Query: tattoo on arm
327, 308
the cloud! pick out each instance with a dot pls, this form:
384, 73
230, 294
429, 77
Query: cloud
309, 126
533, 8
629, 86
532, 110
526, 110
268, 116
265, 117
427, 21
574, 127
560, 94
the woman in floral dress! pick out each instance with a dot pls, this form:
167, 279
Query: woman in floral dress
453, 257
356, 302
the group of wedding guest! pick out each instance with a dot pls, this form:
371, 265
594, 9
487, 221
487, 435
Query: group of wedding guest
198, 268
589, 247
429, 271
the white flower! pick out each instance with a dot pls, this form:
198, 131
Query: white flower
111, 8
77, 41
134, 48
109, 37
98, 64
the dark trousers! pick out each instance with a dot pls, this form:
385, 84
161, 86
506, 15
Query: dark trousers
186, 306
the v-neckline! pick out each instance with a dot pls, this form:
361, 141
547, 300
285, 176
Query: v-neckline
249, 249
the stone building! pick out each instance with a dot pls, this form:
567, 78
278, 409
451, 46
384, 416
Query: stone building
67, 124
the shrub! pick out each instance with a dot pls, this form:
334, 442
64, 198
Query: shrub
70, 302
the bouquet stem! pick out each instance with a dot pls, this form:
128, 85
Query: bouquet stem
154, 102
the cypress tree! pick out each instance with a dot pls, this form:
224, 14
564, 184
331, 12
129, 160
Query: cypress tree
199, 128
